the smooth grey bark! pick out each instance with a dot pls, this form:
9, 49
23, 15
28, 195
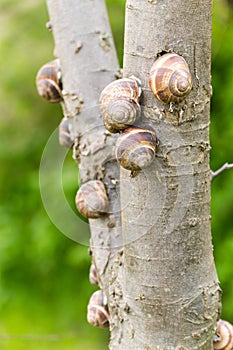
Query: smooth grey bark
170, 291
163, 290
84, 45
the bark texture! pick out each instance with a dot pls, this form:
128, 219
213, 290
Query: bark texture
88, 59
170, 296
163, 291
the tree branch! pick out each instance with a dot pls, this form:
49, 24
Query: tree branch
88, 59
225, 166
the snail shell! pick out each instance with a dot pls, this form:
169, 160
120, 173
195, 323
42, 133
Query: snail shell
93, 278
224, 339
170, 79
110, 128
65, 139
48, 81
91, 199
119, 103
136, 148
97, 310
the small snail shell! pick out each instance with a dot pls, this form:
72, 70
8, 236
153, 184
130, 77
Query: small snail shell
64, 134
48, 81
93, 278
97, 310
119, 103
91, 199
170, 79
110, 128
135, 148
224, 338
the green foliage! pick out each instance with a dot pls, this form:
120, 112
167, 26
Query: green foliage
222, 150
116, 9
44, 287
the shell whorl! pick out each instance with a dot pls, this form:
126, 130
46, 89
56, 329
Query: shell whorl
119, 103
97, 310
224, 339
65, 139
136, 148
170, 79
48, 81
91, 199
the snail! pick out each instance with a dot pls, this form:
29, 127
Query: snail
97, 310
91, 199
170, 79
224, 338
48, 81
93, 275
110, 128
136, 148
65, 139
119, 103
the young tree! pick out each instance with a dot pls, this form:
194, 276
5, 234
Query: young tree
153, 251
180, 296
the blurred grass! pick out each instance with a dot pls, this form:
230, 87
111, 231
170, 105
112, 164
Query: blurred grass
44, 287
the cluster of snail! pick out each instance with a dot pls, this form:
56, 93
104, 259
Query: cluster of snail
97, 309
91, 199
170, 81
49, 87
136, 147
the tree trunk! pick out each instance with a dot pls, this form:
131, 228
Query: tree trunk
88, 60
169, 282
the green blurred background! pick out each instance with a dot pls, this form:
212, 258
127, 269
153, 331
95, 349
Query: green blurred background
44, 287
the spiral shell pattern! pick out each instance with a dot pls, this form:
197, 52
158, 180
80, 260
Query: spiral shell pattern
136, 148
65, 139
97, 310
91, 199
48, 81
119, 104
224, 336
170, 79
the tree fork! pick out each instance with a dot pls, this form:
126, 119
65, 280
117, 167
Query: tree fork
170, 290
163, 291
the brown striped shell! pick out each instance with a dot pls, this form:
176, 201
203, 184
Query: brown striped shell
91, 199
93, 278
136, 148
119, 103
65, 139
97, 310
48, 81
224, 338
170, 79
